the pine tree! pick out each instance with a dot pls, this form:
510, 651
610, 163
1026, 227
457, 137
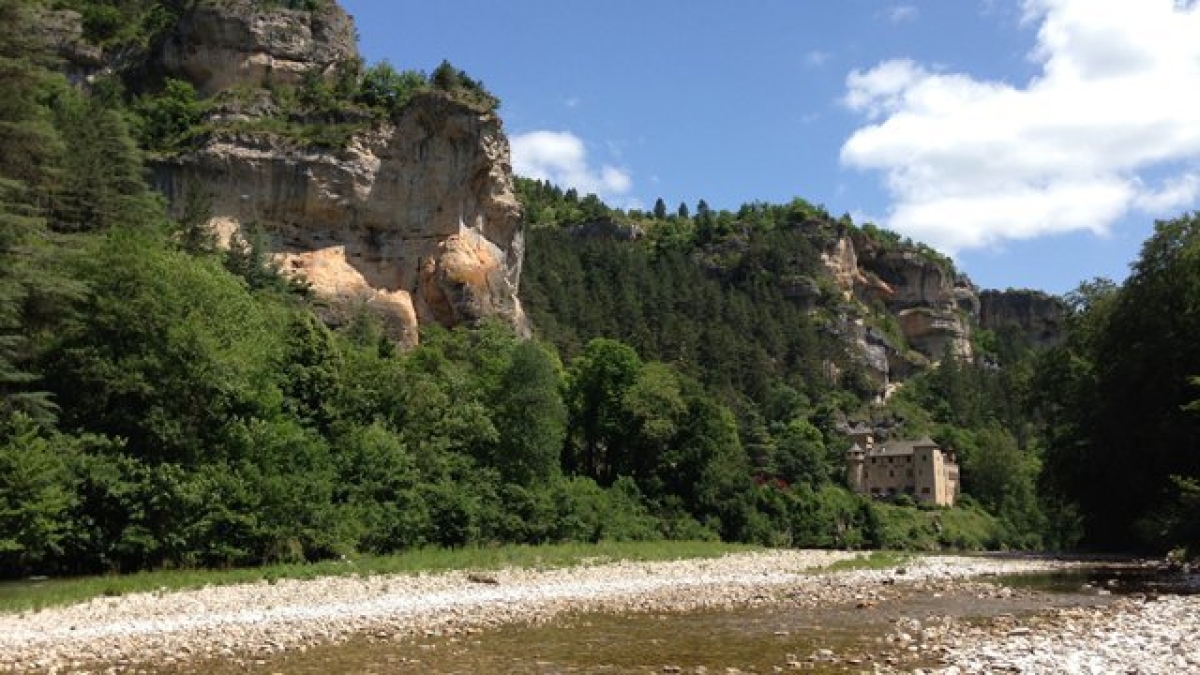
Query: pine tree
28, 153
102, 185
660, 209
192, 229
28, 142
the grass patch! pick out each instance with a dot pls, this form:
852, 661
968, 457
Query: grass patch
300, 134
875, 560
37, 594
962, 528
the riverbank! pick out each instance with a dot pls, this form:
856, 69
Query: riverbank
250, 622
21, 596
1141, 634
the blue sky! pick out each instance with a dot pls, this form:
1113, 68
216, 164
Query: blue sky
1036, 141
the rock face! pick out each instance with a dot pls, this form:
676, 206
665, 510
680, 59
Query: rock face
62, 31
228, 43
841, 262
1036, 316
930, 308
930, 301
933, 308
885, 362
416, 217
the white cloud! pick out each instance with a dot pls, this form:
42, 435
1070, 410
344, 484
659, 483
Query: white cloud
561, 158
902, 13
971, 163
816, 58
1176, 192
879, 90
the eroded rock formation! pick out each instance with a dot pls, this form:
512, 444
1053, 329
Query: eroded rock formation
931, 308
241, 43
930, 301
414, 217
1036, 316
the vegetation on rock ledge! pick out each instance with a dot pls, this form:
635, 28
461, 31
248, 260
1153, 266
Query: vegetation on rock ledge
166, 404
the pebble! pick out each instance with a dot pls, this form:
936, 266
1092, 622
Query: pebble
1136, 635
251, 621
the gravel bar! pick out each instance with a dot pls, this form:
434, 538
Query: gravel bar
260, 619
1141, 635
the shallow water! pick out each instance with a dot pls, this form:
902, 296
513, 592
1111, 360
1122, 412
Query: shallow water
754, 639
1114, 579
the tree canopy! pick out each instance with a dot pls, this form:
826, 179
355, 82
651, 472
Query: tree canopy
165, 402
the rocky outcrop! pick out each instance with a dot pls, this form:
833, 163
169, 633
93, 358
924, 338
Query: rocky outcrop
62, 32
221, 44
935, 332
1036, 317
884, 361
905, 308
930, 306
841, 262
607, 228
930, 301
415, 217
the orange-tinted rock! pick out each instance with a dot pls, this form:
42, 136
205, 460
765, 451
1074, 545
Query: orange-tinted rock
415, 217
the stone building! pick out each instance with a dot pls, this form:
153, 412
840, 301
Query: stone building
920, 468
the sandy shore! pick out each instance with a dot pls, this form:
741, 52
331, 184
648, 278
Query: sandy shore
254, 620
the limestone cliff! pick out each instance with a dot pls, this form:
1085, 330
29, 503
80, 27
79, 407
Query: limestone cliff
218, 45
913, 308
415, 216
1036, 317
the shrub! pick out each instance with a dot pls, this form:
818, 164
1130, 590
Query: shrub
167, 120
386, 88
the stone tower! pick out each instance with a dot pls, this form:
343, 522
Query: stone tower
855, 458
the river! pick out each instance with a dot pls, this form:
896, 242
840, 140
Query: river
774, 636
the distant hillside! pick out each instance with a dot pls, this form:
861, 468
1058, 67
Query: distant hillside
782, 293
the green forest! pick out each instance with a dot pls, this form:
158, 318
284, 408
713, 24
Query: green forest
165, 403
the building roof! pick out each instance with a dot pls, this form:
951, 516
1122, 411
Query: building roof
900, 448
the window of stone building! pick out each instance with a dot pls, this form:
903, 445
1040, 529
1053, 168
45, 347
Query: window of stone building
891, 474
924, 490
910, 473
